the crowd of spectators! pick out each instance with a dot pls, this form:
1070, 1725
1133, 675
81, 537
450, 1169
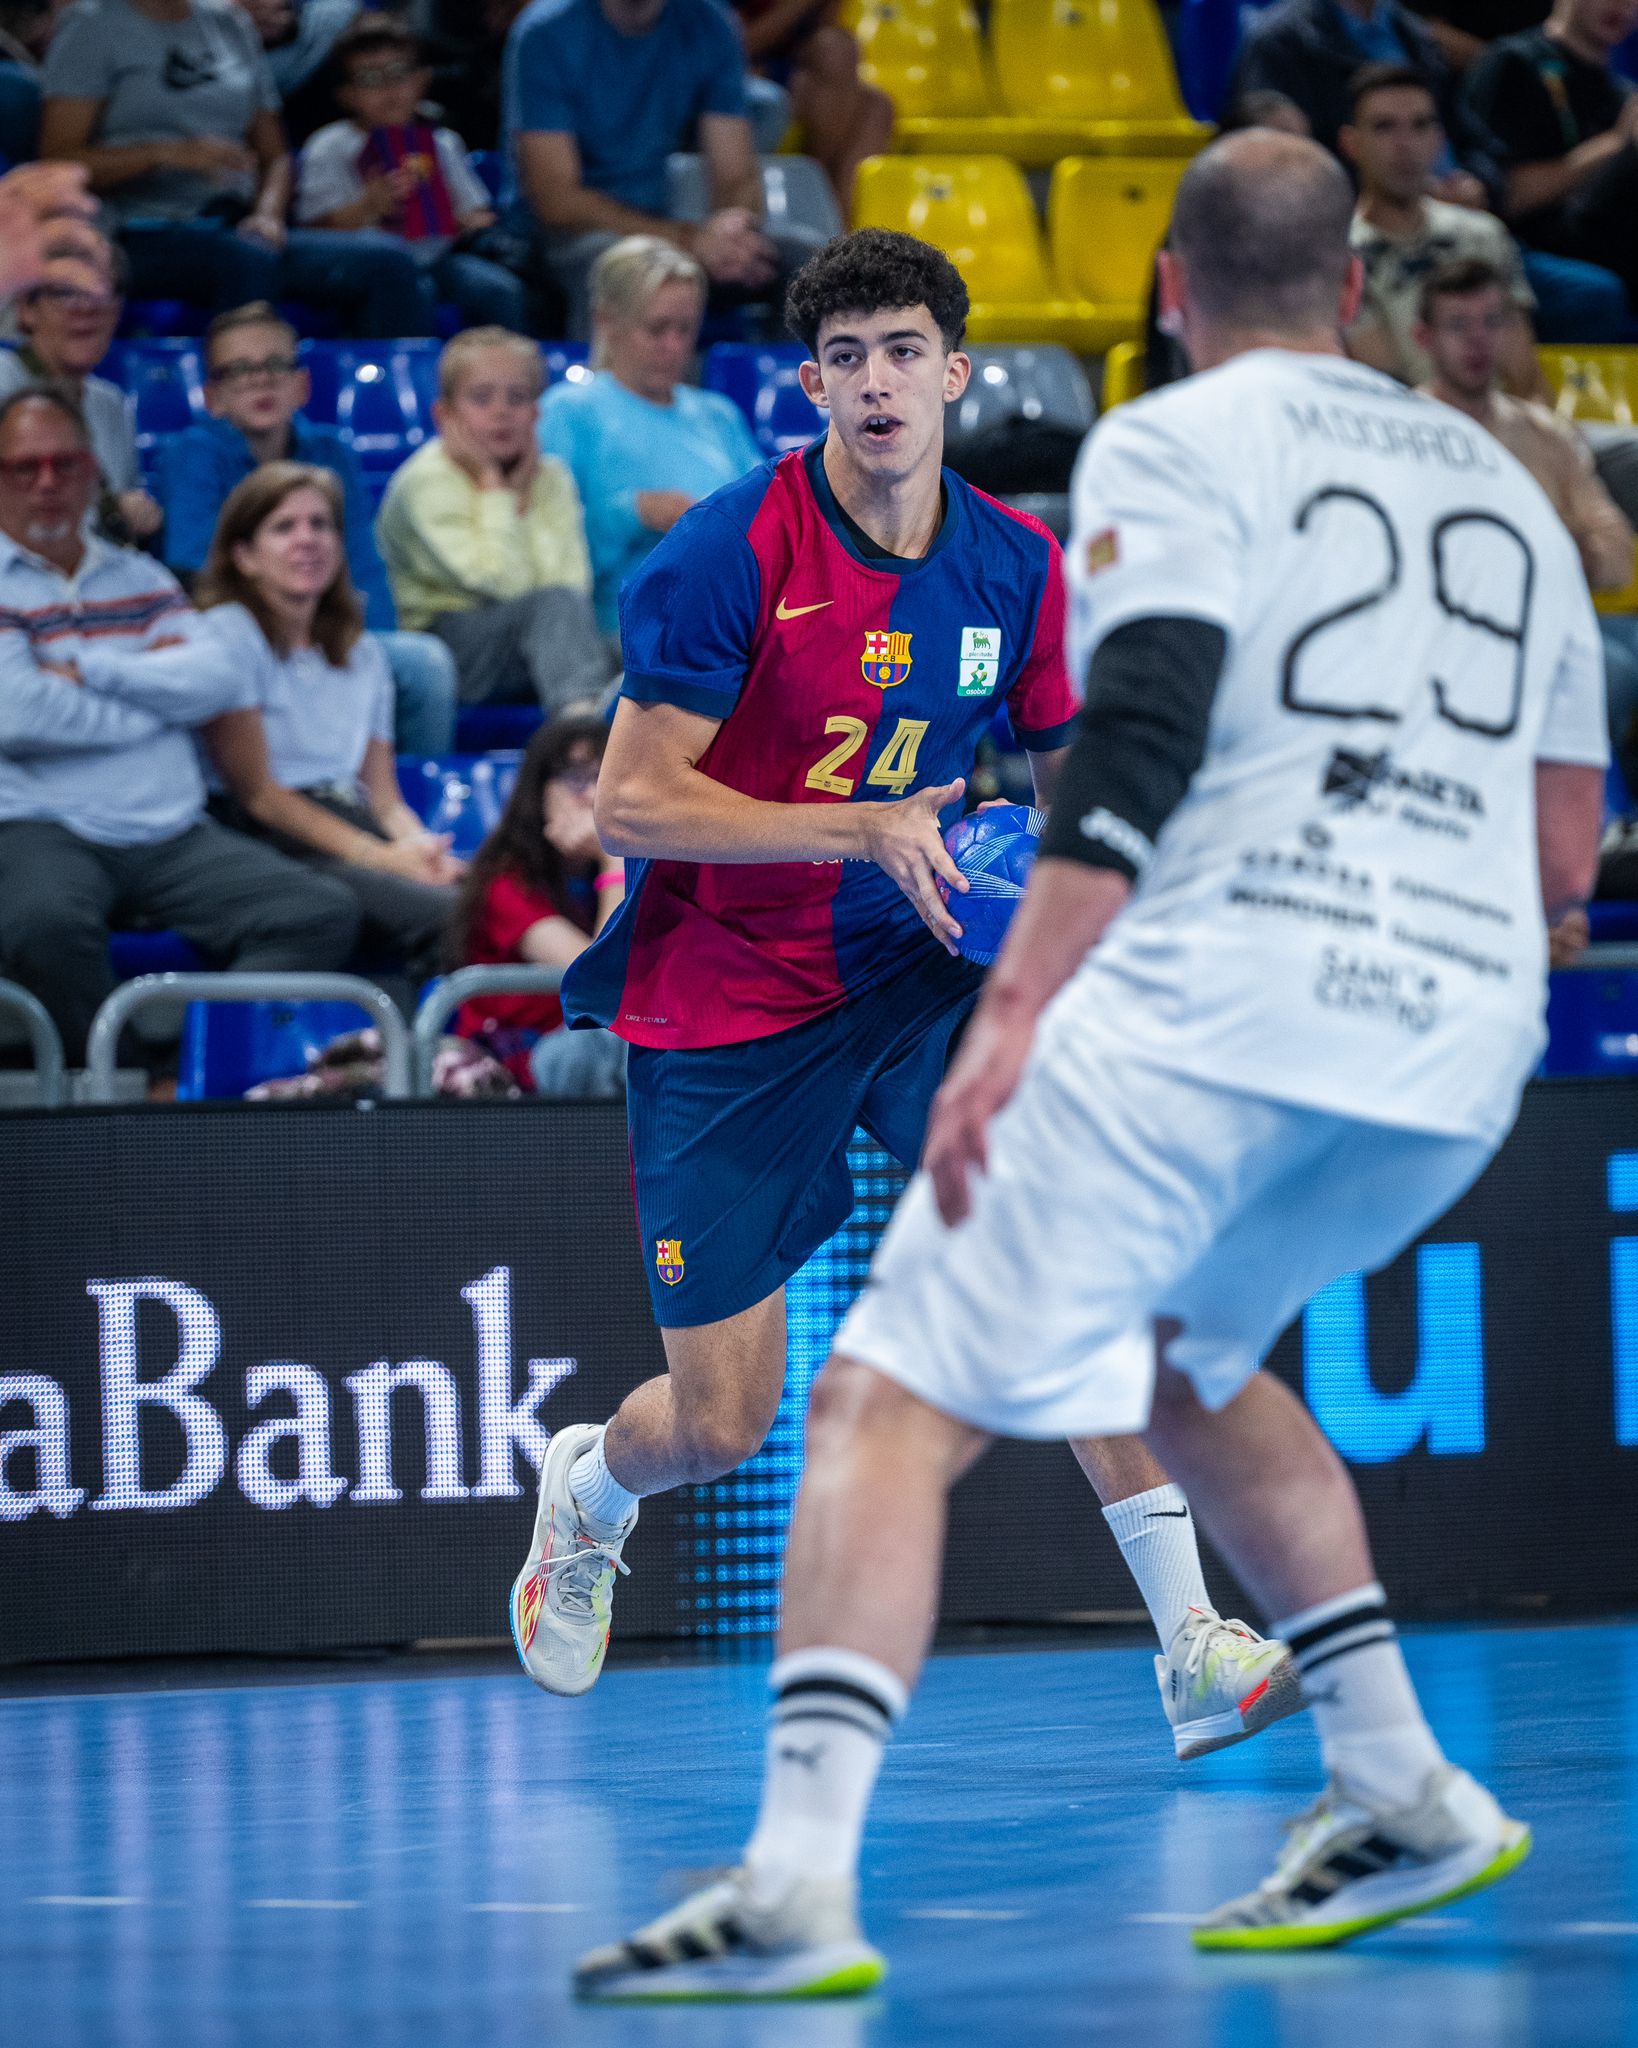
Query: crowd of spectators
210, 745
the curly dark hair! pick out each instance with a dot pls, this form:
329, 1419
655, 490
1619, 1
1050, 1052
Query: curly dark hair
875, 271
518, 846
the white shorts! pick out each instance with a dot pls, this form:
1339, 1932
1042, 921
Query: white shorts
1118, 1193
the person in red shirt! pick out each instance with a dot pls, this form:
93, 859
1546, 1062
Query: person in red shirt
540, 889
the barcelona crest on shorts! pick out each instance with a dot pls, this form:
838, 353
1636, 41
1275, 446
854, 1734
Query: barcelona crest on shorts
668, 1259
886, 659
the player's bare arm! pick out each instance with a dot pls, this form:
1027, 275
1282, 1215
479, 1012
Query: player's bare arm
655, 802
1569, 816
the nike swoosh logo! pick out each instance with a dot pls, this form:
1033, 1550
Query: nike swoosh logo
800, 611
1165, 1514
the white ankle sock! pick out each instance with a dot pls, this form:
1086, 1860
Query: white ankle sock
597, 1493
1155, 1532
1371, 1730
832, 1713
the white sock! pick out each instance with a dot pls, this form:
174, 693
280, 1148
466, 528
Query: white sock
597, 1493
1371, 1730
832, 1713
1155, 1532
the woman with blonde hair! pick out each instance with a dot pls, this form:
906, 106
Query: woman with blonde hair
305, 758
642, 444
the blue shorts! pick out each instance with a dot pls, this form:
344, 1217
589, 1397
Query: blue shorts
739, 1152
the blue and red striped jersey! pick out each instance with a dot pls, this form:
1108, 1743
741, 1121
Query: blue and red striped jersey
838, 679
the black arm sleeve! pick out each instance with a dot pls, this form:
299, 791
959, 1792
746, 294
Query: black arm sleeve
1142, 737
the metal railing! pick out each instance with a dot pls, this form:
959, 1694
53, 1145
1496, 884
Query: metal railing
103, 1045
1616, 956
47, 1042
441, 1002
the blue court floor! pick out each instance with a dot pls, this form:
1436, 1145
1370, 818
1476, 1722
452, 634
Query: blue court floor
416, 1861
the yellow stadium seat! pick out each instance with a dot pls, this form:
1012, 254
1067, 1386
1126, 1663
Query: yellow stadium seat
927, 56
1098, 71
978, 210
1106, 217
1593, 383
1122, 375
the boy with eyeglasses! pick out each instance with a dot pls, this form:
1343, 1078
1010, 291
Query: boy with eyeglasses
385, 167
255, 389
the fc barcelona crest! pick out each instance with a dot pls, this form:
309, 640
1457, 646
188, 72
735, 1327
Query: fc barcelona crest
886, 659
668, 1259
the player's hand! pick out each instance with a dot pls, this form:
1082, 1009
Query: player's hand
906, 842
980, 1082
1568, 939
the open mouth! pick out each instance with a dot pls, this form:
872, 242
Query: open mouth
880, 426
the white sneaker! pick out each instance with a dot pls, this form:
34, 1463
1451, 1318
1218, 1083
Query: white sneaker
1348, 1867
719, 1944
1220, 1682
563, 1598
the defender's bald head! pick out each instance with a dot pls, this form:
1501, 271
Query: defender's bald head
1261, 230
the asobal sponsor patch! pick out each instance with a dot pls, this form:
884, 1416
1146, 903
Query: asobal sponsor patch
979, 666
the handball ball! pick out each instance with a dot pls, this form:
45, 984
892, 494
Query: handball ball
995, 849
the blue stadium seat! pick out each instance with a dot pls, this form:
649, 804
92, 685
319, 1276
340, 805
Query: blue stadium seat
131, 954
167, 381
1613, 923
495, 728
565, 359
158, 317
463, 794
1592, 1022
229, 1047
761, 379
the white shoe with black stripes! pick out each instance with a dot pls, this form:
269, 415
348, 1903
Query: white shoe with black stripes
722, 1943
1348, 1866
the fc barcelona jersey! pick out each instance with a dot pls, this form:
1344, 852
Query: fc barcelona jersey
838, 678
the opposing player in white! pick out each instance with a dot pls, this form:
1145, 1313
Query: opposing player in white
1265, 1014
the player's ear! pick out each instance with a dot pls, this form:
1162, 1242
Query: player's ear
1169, 273
958, 368
1353, 293
812, 379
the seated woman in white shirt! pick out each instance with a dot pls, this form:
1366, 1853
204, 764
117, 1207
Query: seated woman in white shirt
305, 759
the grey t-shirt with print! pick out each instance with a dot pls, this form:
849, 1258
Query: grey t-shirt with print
162, 81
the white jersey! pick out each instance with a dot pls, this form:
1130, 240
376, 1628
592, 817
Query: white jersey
1345, 910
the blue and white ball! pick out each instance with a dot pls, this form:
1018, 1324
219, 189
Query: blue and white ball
995, 849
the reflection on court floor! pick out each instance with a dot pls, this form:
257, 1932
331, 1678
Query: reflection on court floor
412, 1860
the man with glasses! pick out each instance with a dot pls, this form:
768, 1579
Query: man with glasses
255, 388
67, 323
102, 802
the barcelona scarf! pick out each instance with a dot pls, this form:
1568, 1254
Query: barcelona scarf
429, 210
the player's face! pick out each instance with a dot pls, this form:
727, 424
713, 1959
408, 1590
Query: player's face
1396, 142
1466, 338
885, 379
